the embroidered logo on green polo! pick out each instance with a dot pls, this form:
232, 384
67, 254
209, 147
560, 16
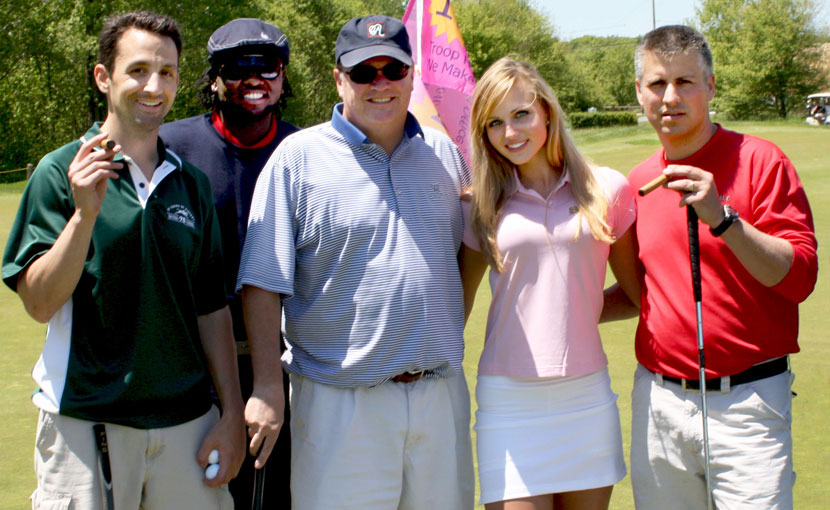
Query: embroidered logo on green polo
181, 214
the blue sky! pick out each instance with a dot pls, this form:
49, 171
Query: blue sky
628, 18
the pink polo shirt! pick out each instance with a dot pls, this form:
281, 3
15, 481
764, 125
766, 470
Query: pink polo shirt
547, 301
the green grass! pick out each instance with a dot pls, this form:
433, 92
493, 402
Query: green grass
619, 148
22, 341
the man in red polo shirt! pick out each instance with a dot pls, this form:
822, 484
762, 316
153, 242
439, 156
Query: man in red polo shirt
758, 261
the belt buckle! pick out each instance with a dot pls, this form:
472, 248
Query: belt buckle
409, 377
724, 386
689, 389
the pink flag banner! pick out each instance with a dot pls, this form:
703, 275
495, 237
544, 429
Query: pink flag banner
444, 83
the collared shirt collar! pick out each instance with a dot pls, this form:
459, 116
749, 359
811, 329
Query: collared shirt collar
170, 162
356, 137
165, 157
518, 187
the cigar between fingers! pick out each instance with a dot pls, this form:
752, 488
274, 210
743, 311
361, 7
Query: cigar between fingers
106, 143
653, 185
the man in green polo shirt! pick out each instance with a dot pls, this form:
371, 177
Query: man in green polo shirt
118, 249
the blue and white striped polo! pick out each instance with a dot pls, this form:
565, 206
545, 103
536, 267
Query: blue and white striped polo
362, 247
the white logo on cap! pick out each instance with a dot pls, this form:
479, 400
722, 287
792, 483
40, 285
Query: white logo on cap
376, 30
263, 35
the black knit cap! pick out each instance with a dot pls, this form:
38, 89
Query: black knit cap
373, 36
247, 36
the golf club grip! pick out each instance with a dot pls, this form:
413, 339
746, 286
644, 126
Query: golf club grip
694, 250
99, 431
259, 488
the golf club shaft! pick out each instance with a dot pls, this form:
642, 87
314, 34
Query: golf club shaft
259, 488
694, 257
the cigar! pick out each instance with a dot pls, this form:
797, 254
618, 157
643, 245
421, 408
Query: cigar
653, 185
106, 143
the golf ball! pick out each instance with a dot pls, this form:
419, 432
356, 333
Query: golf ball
213, 458
211, 471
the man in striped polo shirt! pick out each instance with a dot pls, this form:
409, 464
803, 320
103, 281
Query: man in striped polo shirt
353, 235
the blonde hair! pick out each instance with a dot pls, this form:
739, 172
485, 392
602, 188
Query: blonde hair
493, 173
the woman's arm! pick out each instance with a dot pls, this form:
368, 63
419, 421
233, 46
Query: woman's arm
622, 300
471, 265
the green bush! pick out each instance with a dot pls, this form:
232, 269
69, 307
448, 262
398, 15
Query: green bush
602, 119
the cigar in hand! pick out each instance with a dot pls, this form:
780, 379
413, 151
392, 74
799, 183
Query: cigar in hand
653, 185
106, 143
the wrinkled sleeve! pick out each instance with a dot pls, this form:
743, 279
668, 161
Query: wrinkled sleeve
780, 208
45, 209
268, 257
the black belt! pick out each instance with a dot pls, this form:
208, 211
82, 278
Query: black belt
408, 377
751, 374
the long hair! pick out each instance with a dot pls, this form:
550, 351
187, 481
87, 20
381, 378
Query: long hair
493, 173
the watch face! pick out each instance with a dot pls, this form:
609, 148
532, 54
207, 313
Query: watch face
730, 216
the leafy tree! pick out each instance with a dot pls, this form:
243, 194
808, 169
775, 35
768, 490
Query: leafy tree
48, 49
495, 28
764, 52
608, 63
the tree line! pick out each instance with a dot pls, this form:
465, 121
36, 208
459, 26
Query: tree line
764, 57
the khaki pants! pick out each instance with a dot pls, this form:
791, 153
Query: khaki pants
153, 469
402, 446
750, 442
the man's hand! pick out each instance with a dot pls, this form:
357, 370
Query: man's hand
767, 258
264, 414
228, 437
697, 188
89, 173
265, 410
49, 281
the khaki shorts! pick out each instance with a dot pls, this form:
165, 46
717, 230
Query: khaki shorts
399, 446
750, 445
153, 469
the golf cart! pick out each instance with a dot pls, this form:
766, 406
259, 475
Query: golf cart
818, 109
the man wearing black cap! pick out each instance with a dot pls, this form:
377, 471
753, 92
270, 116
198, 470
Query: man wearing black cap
245, 88
354, 232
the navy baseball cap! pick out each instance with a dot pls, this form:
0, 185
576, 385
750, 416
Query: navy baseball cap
373, 36
247, 36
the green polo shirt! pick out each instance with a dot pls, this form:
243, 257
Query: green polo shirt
125, 348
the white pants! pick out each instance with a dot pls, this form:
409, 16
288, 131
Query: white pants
750, 444
393, 446
154, 469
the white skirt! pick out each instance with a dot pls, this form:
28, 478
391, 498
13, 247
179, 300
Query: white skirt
546, 436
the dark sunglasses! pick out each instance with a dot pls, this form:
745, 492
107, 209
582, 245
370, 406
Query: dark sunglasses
364, 74
241, 72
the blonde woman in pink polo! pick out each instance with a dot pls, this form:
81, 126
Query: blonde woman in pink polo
546, 221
